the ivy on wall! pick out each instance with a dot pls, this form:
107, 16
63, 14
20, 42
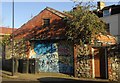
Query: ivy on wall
19, 47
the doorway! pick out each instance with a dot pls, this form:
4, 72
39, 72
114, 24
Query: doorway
101, 63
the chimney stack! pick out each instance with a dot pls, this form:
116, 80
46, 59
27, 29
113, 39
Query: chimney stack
100, 5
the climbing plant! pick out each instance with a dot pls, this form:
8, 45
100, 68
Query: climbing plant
84, 24
18, 49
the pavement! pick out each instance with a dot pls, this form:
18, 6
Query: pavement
46, 77
32, 77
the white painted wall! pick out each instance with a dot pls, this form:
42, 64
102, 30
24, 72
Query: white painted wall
114, 22
119, 27
119, 24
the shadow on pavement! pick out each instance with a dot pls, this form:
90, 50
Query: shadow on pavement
55, 79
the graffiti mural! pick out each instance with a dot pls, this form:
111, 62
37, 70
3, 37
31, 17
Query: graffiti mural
47, 56
53, 57
65, 52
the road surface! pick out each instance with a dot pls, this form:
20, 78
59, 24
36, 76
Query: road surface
50, 80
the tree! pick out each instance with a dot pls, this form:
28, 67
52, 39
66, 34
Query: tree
84, 24
19, 47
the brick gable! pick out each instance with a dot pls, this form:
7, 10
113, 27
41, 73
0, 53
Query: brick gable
34, 28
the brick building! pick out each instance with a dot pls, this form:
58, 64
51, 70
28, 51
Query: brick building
46, 42
111, 15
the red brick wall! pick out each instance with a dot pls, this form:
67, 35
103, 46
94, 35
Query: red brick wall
56, 26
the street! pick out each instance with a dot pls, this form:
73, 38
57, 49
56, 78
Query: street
50, 80
46, 78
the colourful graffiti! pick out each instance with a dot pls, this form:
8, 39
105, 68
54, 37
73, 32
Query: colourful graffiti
53, 57
48, 56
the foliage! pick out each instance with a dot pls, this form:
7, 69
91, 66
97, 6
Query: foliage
18, 48
84, 25
5, 40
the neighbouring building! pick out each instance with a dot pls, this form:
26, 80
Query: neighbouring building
5, 54
110, 15
4, 32
47, 44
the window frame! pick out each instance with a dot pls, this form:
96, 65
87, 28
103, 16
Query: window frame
107, 12
46, 21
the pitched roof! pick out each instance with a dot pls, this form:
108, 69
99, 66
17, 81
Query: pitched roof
31, 25
111, 6
30, 30
105, 40
58, 13
115, 9
5, 30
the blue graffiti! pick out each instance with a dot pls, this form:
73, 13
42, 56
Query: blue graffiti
49, 61
46, 54
65, 68
44, 48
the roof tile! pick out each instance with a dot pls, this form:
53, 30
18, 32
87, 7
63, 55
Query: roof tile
6, 30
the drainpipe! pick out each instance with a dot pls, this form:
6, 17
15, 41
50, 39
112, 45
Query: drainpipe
93, 65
